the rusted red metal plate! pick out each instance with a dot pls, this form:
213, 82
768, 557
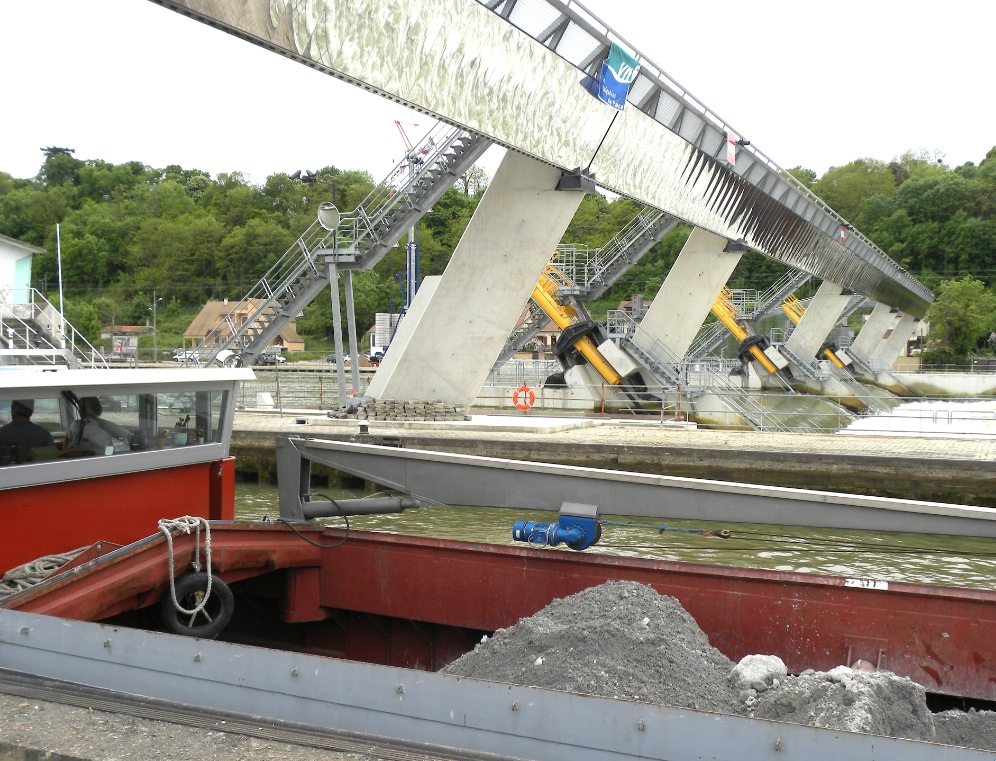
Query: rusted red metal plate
136, 575
421, 602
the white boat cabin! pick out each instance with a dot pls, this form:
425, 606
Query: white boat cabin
108, 422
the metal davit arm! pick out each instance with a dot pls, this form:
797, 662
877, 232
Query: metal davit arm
294, 460
456, 479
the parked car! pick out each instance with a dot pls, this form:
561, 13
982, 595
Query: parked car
185, 355
269, 358
375, 357
331, 359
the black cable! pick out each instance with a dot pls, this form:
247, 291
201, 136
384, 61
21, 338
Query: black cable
834, 546
318, 544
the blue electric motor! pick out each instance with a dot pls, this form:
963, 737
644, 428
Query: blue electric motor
578, 528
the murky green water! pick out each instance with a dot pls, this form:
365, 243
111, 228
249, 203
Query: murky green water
917, 558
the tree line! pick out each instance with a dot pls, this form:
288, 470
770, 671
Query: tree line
129, 230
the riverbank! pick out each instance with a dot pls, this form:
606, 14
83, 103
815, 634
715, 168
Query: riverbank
942, 469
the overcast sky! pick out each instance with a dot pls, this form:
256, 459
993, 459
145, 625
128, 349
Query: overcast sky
814, 84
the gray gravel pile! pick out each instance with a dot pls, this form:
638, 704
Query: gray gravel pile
617, 640
624, 640
877, 703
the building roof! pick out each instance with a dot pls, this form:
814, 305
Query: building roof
21, 244
123, 329
627, 305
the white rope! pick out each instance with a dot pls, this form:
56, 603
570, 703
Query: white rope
186, 524
29, 574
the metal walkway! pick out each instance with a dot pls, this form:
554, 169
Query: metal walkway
475, 64
589, 273
36, 333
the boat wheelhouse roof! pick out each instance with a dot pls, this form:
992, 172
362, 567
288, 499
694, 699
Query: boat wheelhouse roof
35, 378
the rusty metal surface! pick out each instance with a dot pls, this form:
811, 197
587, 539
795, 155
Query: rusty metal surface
939, 637
136, 575
412, 601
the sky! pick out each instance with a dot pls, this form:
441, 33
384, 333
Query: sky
810, 84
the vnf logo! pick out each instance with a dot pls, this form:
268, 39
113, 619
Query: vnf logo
626, 73
618, 71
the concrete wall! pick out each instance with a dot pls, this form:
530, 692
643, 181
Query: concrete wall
462, 328
689, 291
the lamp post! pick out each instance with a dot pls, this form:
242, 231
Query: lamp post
155, 332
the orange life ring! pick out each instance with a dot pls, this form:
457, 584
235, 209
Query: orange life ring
524, 397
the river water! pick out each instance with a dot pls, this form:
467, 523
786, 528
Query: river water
922, 559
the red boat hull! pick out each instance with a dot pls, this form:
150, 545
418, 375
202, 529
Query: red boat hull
60, 517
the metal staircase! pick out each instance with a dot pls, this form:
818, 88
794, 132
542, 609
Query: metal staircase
533, 323
751, 306
651, 352
594, 273
358, 242
750, 406
857, 389
35, 333
587, 274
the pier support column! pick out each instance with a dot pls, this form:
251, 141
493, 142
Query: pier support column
682, 304
819, 319
891, 347
869, 338
462, 328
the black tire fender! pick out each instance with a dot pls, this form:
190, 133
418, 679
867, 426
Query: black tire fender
206, 624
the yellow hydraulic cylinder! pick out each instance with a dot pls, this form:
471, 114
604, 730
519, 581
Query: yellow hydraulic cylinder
563, 316
795, 310
726, 313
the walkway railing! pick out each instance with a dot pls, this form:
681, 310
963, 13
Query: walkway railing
291, 389
41, 336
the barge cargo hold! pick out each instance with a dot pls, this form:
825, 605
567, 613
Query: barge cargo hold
342, 629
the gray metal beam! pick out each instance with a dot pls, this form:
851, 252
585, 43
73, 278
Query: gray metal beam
453, 479
668, 167
438, 710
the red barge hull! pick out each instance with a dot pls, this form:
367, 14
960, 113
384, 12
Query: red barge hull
420, 603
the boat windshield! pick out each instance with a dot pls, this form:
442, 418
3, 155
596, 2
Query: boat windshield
61, 424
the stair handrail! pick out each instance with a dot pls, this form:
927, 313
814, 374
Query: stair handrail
354, 228
72, 352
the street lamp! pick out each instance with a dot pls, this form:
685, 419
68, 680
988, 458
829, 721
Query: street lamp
155, 333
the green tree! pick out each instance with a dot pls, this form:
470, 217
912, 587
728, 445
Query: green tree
806, 176
846, 188
963, 315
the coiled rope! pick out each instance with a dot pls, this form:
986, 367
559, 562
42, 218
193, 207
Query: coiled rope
186, 524
29, 574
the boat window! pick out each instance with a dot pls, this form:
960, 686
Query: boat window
140, 422
186, 418
83, 425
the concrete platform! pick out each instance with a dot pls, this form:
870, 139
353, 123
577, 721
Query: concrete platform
957, 470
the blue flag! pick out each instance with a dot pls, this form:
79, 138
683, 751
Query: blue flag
618, 72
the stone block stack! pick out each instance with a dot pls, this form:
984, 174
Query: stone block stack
416, 411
